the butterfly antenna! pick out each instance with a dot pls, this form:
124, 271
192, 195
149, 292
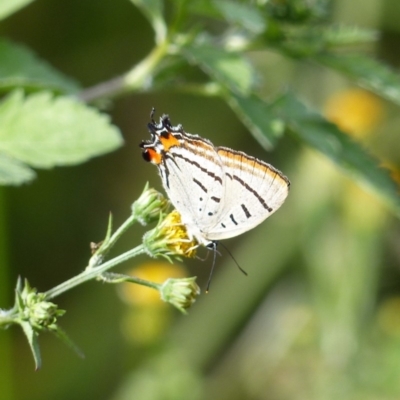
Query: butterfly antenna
214, 248
233, 258
153, 110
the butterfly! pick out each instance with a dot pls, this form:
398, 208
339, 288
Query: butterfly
219, 192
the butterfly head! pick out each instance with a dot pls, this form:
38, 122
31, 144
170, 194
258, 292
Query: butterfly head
163, 137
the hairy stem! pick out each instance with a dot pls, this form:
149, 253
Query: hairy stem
91, 273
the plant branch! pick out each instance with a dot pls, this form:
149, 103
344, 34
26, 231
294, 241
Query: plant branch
7, 317
111, 277
91, 273
137, 78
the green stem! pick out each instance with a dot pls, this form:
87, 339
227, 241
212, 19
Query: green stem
136, 78
133, 80
8, 318
120, 231
91, 273
111, 277
98, 257
211, 89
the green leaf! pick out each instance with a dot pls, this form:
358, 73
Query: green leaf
153, 10
45, 131
32, 337
19, 67
369, 73
8, 7
315, 131
244, 15
256, 115
62, 335
13, 172
229, 69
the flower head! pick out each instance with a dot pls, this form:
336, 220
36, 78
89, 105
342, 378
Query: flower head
33, 307
35, 314
181, 293
148, 207
354, 111
170, 237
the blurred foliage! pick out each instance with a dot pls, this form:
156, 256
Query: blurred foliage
317, 317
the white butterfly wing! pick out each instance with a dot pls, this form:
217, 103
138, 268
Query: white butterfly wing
253, 191
195, 185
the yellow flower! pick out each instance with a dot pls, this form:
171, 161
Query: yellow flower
148, 317
354, 111
169, 238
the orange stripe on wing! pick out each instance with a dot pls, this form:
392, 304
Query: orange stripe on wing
169, 141
233, 159
200, 146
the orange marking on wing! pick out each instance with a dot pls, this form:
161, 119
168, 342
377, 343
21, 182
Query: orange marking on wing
169, 141
154, 157
233, 159
201, 147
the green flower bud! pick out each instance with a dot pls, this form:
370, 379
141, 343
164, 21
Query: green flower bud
34, 308
181, 293
148, 207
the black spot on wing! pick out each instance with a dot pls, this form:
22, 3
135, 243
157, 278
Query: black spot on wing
233, 219
246, 211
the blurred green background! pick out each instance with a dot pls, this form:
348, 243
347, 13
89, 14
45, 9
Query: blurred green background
318, 317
